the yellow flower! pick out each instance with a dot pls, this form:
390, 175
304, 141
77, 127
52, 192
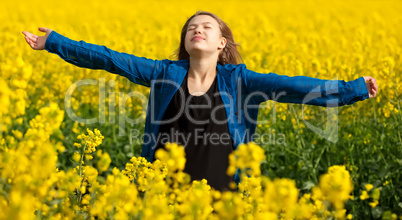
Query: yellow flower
90, 141
17, 134
373, 204
336, 185
173, 156
247, 157
364, 195
85, 199
368, 187
77, 157
103, 162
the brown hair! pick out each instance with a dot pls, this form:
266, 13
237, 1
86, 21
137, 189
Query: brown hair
229, 53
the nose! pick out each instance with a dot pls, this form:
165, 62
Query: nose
197, 30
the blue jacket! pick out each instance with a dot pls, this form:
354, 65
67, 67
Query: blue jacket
242, 90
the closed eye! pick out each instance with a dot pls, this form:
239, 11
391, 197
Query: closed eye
192, 28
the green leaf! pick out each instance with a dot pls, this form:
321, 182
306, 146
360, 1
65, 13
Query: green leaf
308, 185
377, 212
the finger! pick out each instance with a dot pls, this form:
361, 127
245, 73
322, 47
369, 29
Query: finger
369, 89
30, 35
31, 44
368, 78
375, 84
372, 82
28, 40
43, 29
31, 39
27, 34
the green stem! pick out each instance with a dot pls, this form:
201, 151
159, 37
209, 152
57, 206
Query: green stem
399, 108
82, 179
294, 153
319, 158
350, 154
114, 134
382, 155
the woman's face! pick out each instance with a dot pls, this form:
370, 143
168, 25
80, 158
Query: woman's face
204, 36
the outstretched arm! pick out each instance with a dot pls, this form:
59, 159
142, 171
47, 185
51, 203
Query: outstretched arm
139, 70
306, 90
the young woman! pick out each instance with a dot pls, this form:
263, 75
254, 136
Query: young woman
205, 101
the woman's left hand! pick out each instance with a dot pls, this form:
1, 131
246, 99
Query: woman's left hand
372, 87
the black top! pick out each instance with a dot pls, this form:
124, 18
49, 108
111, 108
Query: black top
199, 123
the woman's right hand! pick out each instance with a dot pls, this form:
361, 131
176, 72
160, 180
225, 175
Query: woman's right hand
35, 41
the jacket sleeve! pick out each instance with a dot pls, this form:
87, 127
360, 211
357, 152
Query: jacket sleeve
139, 70
261, 87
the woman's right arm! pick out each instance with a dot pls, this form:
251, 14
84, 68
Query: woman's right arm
139, 70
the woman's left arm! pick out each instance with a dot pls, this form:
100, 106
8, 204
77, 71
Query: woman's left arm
306, 90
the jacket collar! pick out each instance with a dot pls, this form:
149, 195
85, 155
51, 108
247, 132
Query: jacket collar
181, 68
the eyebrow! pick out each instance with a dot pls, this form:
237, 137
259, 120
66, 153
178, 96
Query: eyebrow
207, 22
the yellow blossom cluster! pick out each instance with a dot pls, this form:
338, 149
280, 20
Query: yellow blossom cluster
375, 195
90, 141
247, 158
104, 161
162, 190
335, 187
28, 167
